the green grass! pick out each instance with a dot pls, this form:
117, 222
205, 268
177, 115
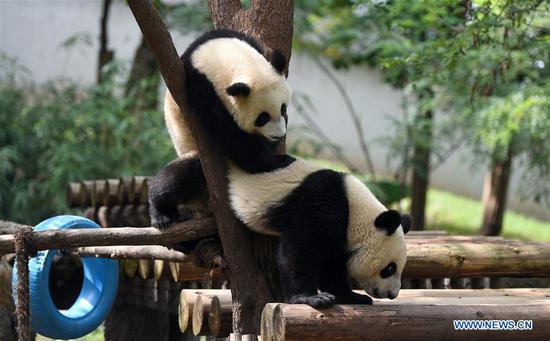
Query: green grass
96, 335
460, 215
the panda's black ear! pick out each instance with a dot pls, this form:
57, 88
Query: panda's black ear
238, 89
388, 221
406, 222
278, 61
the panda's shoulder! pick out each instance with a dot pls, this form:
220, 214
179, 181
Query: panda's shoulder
216, 34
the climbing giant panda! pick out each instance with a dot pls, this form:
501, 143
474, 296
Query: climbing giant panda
330, 226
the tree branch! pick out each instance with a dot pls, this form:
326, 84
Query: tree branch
71, 238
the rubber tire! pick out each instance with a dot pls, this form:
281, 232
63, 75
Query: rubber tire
96, 297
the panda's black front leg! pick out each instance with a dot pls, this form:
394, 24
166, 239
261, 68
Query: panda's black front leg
333, 278
180, 181
299, 265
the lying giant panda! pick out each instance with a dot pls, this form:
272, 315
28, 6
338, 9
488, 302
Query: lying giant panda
331, 227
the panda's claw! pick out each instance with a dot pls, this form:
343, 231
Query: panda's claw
162, 222
320, 300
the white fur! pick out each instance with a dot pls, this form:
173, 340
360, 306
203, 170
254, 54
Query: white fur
251, 195
372, 249
177, 128
226, 61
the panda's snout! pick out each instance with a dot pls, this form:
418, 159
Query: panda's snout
391, 296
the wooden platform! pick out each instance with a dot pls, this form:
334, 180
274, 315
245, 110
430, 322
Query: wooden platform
414, 315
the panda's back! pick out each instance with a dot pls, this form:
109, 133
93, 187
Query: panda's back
287, 199
252, 195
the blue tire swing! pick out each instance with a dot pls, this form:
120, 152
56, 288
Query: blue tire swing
97, 295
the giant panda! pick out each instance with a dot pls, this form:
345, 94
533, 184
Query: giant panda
330, 226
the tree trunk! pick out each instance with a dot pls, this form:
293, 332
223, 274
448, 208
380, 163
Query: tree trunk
271, 22
144, 69
421, 172
249, 285
495, 191
105, 55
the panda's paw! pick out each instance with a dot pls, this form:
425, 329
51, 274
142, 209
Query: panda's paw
162, 222
353, 298
320, 300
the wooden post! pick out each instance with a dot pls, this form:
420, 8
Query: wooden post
187, 301
220, 316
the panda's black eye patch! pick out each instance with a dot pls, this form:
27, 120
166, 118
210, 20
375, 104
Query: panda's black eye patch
262, 119
389, 270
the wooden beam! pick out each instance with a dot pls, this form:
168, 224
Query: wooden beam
448, 257
410, 317
72, 238
151, 252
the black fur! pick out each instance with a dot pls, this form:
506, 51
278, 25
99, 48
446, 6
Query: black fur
278, 61
179, 181
238, 89
252, 153
388, 221
313, 221
406, 222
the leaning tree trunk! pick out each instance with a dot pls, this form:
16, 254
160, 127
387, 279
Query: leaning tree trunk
249, 284
495, 191
421, 172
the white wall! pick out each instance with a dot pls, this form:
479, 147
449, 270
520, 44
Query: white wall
33, 31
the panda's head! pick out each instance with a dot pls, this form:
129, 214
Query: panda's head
253, 90
377, 264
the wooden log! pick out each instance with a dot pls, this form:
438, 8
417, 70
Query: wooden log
187, 300
426, 234
72, 238
476, 257
201, 310
98, 192
189, 271
141, 190
144, 268
112, 193
128, 183
151, 252
76, 195
130, 267
108, 192
221, 315
419, 316
158, 268
174, 270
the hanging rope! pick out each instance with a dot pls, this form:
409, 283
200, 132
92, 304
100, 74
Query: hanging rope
24, 250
